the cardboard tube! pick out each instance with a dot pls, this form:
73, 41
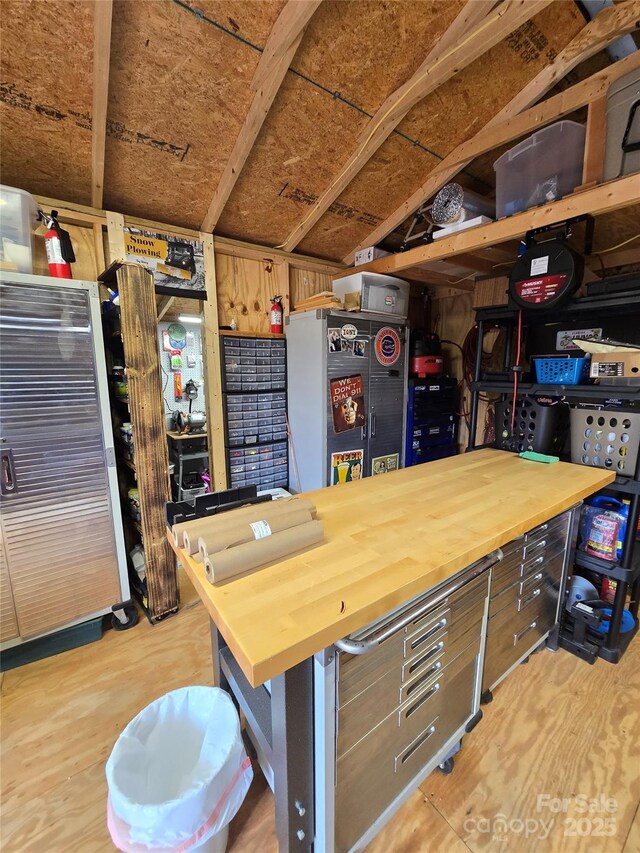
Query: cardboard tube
224, 565
237, 534
209, 526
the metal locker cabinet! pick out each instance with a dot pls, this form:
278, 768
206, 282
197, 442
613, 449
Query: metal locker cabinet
60, 509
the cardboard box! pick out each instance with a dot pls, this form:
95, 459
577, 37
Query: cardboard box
371, 253
616, 364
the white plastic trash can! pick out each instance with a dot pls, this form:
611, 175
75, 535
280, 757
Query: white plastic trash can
178, 774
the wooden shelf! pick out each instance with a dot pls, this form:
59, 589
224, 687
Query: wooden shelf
237, 334
602, 199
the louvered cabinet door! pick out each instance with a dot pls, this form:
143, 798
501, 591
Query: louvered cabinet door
56, 515
8, 618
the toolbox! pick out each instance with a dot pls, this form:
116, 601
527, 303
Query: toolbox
431, 420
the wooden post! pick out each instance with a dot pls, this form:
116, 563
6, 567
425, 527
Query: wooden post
115, 234
213, 371
593, 163
139, 337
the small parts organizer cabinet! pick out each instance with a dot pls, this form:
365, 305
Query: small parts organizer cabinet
525, 595
255, 380
431, 420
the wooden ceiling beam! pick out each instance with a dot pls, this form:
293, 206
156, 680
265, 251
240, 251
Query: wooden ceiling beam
605, 198
475, 31
281, 46
102, 14
612, 23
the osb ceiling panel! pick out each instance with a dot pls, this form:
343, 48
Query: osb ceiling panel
452, 114
178, 94
353, 55
46, 97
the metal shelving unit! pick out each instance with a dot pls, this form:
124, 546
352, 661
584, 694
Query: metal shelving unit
626, 571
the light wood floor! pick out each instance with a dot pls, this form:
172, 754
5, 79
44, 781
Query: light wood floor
557, 728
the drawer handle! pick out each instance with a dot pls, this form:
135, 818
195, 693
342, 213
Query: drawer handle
525, 602
424, 737
442, 623
424, 677
542, 527
539, 544
424, 658
410, 711
518, 637
530, 581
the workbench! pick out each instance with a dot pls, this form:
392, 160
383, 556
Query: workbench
408, 556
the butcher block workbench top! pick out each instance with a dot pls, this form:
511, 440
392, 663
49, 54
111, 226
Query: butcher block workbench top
387, 539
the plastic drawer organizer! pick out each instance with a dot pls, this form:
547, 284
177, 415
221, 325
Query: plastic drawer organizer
255, 381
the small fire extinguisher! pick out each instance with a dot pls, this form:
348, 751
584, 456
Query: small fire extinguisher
60, 254
277, 313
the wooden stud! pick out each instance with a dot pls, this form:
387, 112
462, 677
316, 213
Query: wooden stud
115, 234
102, 11
612, 23
281, 47
613, 195
475, 31
213, 371
98, 242
593, 163
139, 336
164, 306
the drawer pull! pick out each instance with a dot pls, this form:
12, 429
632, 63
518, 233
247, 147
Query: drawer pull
530, 581
537, 545
424, 677
424, 658
518, 637
418, 641
424, 737
525, 602
410, 711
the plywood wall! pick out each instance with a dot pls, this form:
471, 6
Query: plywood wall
305, 283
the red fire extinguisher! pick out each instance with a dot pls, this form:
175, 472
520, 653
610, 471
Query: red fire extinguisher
277, 312
60, 254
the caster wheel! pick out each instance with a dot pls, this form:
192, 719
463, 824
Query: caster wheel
131, 613
446, 767
486, 697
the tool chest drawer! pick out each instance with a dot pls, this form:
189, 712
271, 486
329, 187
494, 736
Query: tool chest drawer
531, 575
371, 774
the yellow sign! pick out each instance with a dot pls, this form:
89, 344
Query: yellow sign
145, 247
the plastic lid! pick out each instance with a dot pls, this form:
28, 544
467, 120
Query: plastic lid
537, 138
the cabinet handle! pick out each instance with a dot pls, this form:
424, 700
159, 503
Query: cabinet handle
8, 484
410, 711
424, 677
525, 602
373, 425
518, 637
418, 742
423, 658
363, 432
418, 641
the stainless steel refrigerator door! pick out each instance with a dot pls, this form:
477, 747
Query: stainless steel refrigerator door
340, 364
57, 520
386, 398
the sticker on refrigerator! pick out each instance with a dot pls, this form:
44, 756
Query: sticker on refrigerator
347, 403
348, 332
346, 466
333, 338
387, 346
384, 464
564, 340
360, 348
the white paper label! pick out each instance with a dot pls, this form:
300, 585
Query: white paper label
260, 529
539, 266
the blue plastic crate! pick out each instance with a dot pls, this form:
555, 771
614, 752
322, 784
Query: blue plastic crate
556, 370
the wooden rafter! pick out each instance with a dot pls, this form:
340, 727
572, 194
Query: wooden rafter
610, 24
475, 31
281, 46
102, 14
614, 195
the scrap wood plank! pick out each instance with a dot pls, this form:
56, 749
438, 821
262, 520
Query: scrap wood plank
475, 31
609, 25
281, 47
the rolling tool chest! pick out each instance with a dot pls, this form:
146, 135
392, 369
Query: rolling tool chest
431, 420
254, 372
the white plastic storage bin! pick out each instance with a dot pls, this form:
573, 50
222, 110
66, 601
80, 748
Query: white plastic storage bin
542, 168
18, 221
379, 294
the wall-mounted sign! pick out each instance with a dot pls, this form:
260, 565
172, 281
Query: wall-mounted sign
387, 346
348, 332
346, 466
174, 261
347, 403
384, 464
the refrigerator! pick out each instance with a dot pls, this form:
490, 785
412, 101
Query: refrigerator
346, 393
62, 552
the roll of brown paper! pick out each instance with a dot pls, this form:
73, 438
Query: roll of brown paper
205, 527
238, 533
224, 565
